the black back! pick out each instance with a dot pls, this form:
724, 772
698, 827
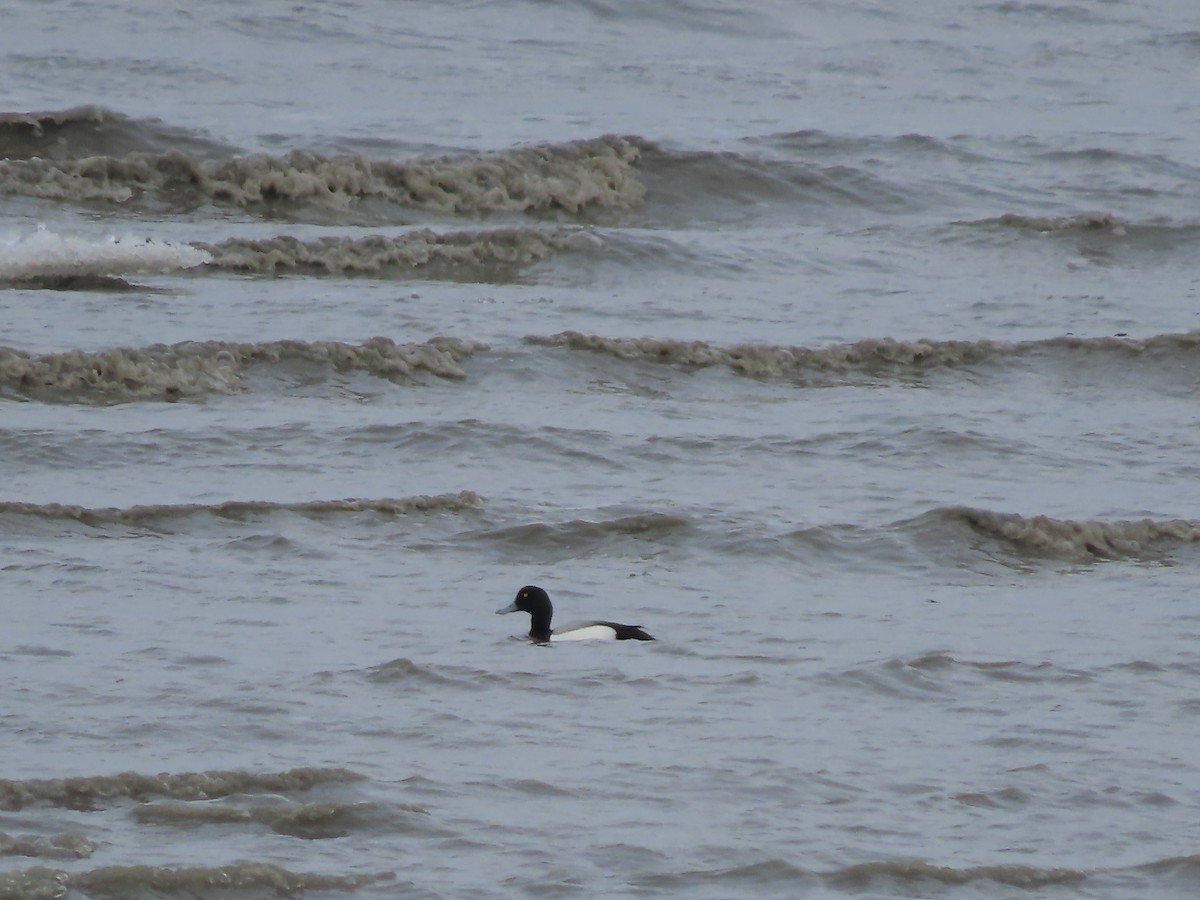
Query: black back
628, 632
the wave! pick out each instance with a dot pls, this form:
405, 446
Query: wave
1082, 541
777, 872
570, 177
771, 361
91, 155
240, 509
69, 845
310, 821
85, 131
579, 537
960, 530
1095, 230
454, 254
812, 142
769, 872
195, 369
869, 357
964, 537
960, 535
1055, 224
411, 673
1008, 670
681, 184
864, 875
934, 676
95, 792
47, 259
681, 17
239, 879
1188, 866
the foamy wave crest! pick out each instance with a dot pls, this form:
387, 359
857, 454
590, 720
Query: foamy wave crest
194, 369
118, 376
570, 177
769, 361
867, 357
46, 257
1042, 536
422, 251
95, 792
70, 845
242, 509
240, 879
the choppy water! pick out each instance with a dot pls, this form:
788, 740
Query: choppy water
852, 349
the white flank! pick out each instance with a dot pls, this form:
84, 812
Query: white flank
586, 633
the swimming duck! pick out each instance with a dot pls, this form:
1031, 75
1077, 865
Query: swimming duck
536, 602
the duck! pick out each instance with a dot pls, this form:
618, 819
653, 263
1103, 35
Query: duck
535, 601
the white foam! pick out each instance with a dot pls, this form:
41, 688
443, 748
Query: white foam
47, 255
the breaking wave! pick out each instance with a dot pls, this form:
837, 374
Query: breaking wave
956, 530
957, 536
867, 357
49, 259
424, 251
570, 177
95, 792
70, 845
1044, 537
769, 361
241, 509
194, 369
239, 879
91, 155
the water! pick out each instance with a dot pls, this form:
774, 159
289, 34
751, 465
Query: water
850, 349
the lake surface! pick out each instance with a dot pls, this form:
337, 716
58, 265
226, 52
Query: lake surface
851, 349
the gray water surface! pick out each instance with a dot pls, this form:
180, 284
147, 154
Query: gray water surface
850, 349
